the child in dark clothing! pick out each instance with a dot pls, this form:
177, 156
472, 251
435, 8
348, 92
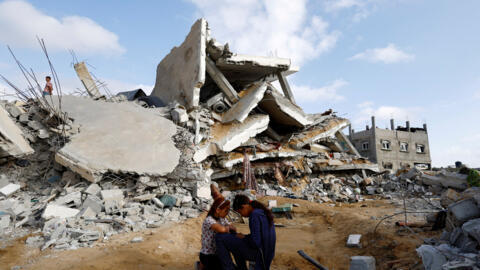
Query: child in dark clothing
258, 246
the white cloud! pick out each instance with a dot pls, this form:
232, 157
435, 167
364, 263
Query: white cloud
20, 23
383, 114
265, 27
327, 93
463, 150
388, 55
336, 5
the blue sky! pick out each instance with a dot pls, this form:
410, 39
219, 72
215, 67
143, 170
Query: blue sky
411, 60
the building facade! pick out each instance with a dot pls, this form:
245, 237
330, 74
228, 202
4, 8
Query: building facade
394, 148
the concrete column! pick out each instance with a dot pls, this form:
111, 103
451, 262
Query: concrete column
221, 81
373, 122
350, 131
392, 124
408, 126
367, 128
285, 86
425, 127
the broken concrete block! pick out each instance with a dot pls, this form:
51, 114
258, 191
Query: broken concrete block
446, 179
354, 240
202, 190
362, 263
4, 221
118, 148
168, 201
318, 148
282, 111
35, 125
144, 197
112, 194
13, 110
87, 80
87, 213
179, 115
58, 211
272, 203
158, 203
226, 137
464, 210
94, 203
9, 189
357, 179
71, 199
472, 228
432, 258
93, 189
24, 118
181, 73
12, 137
240, 110
43, 133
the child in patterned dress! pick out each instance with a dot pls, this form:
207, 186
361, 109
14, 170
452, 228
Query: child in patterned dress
214, 223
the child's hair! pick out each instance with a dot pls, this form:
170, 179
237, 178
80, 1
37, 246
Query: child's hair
219, 203
242, 199
48, 77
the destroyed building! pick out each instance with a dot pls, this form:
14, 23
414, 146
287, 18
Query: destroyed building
394, 148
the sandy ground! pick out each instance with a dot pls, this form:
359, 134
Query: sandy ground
320, 230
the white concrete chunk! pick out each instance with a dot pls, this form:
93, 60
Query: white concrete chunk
9, 189
240, 110
112, 195
354, 240
58, 211
93, 189
12, 137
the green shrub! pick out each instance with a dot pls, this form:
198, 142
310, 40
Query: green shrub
473, 178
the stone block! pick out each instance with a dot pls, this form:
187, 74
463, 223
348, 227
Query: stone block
202, 191
362, 263
179, 115
87, 213
71, 199
54, 211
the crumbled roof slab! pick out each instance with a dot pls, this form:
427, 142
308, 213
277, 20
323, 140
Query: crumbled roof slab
12, 140
226, 137
326, 130
283, 111
240, 110
181, 74
117, 137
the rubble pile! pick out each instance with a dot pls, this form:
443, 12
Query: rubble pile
459, 245
85, 167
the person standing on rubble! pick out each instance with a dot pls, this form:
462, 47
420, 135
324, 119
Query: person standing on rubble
258, 246
215, 223
47, 91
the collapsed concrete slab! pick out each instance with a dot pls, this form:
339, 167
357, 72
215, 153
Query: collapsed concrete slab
181, 74
446, 179
12, 142
231, 159
117, 137
226, 137
282, 111
247, 103
324, 130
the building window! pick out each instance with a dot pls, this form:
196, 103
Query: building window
386, 145
420, 148
403, 147
387, 165
365, 146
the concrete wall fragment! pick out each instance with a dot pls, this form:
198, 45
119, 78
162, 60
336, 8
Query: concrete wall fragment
181, 74
12, 141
